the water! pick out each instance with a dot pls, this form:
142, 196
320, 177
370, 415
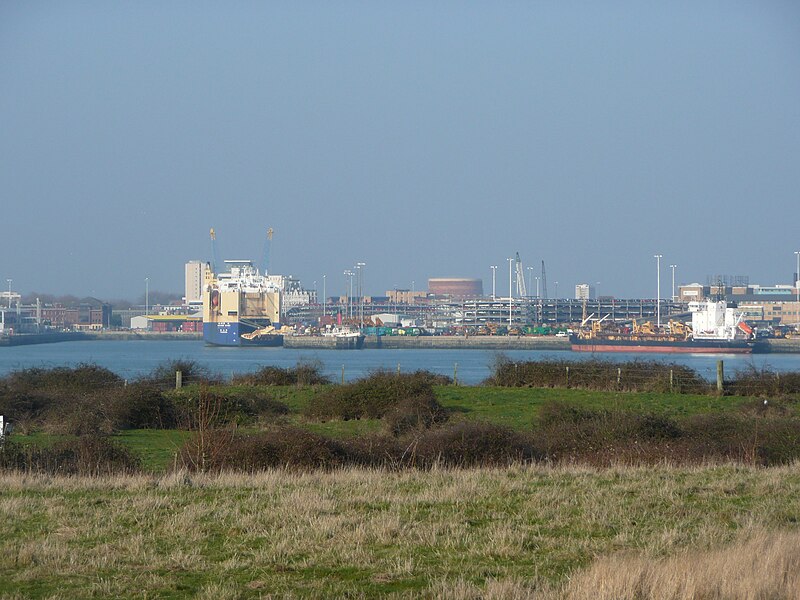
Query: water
131, 359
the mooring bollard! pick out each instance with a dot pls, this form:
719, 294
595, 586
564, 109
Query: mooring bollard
178, 380
720, 377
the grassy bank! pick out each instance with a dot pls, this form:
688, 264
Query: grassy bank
511, 532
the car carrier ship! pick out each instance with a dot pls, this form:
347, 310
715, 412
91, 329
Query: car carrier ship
241, 307
716, 329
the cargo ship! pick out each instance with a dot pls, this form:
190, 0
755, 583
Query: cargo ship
716, 329
241, 307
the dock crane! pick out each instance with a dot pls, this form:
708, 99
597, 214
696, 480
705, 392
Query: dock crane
213, 250
544, 282
522, 291
267, 251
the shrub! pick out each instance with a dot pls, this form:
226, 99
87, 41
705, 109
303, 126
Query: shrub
646, 376
85, 377
469, 444
192, 372
416, 412
371, 397
86, 455
214, 407
141, 405
751, 381
304, 373
279, 447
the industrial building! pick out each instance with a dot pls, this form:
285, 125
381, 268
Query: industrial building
195, 273
456, 287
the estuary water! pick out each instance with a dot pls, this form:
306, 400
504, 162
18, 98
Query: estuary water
135, 358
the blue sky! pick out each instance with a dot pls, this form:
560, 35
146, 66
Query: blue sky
424, 139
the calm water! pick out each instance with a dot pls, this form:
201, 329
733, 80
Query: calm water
134, 358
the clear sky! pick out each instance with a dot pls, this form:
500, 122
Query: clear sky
424, 139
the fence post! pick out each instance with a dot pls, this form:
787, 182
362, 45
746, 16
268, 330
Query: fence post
619, 375
455, 374
342, 374
567, 375
178, 380
720, 376
671, 381
398, 369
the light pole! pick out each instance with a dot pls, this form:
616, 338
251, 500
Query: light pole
537, 287
360, 266
348, 311
510, 278
673, 267
494, 277
658, 258
324, 294
146, 295
556, 290
555, 303
796, 279
9, 291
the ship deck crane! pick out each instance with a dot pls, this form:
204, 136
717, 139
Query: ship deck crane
522, 291
268, 252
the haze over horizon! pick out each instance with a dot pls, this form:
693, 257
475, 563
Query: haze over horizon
424, 140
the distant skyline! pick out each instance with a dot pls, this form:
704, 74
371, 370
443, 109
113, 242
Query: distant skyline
425, 140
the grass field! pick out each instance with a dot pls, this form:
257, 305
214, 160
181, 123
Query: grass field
502, 533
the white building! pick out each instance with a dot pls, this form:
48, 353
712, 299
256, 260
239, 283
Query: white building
584, 291
195, 275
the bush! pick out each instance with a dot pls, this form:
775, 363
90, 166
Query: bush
416, 412
192, 372
469, 444
279, 447
372, 397
86, 455
644, 376
85, 377
141, 405
304, 373
763, 383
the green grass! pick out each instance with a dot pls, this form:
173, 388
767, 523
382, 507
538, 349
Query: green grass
155, 447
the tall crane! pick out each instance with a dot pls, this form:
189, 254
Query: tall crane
267, 252
213, 251
544, 282
522, 291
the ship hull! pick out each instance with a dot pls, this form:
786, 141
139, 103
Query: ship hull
662, 346
230, 334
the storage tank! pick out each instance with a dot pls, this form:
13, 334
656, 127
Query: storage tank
458, 287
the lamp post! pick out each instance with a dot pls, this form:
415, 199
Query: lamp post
324, 295
146, 295
510, 291
673, 267
360, 266
348, 311
537, 287
494, 277
658, 258
9, 291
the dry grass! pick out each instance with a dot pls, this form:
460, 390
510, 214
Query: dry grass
484, 533
764, 565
